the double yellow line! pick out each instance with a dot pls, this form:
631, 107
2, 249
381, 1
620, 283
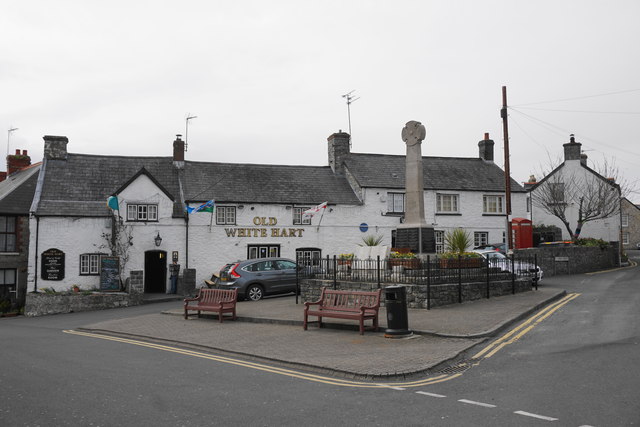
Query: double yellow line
516, 333
267, 368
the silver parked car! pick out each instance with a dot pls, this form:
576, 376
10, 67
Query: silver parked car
500, 260
255, 278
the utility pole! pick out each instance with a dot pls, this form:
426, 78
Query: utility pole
186, 129
507, 172
350, 99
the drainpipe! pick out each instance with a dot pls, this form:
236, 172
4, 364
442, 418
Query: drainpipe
186, 249
35, 279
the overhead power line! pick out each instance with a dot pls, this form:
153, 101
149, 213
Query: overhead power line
579, 97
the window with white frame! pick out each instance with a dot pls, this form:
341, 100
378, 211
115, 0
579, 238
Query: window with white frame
299, 218
480, 238
226, 215
395, 203
90, 264
447, 203
439, 237
492, 204
625, 220
142, 212
625, 238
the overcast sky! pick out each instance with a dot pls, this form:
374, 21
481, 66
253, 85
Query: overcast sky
266, 78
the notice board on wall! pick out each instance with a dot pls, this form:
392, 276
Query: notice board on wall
109, 273
52, 267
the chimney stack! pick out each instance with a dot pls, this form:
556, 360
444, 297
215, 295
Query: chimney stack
486, 148
178, 152
18, 161
55, 147
583, 159
572, 149
339, 150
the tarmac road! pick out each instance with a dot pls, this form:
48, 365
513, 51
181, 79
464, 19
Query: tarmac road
58, 378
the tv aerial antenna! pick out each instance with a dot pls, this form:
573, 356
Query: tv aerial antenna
350, 99
9, 132
186, 130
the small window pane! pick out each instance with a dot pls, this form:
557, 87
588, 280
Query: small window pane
142, 212
132, 212
153, 212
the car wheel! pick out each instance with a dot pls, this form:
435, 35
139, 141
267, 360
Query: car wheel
255, 293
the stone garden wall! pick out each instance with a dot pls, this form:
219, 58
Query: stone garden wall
417, 295
557, 260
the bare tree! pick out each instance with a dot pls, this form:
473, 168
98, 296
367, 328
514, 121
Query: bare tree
119, 241
596, 195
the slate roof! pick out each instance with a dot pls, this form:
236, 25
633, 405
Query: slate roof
16, 192
253, 183
440, 173
80, 185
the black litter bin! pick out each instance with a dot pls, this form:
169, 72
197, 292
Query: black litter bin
397, 318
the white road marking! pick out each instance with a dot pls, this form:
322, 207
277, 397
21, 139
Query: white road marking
473, 402
540, 417
430, 394
392, 388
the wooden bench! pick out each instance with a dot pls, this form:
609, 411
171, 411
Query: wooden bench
356, 305
216, 300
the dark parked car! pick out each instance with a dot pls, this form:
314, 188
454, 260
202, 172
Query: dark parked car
499, 247
255, 278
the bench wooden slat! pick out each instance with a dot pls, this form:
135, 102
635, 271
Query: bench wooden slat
215, 300
356, 305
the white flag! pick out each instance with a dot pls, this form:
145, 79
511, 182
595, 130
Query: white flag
314, 210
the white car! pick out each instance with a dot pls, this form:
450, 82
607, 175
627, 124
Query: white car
500, 260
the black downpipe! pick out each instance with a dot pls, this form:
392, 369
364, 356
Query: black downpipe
35, 276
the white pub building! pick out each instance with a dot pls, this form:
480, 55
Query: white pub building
258, 210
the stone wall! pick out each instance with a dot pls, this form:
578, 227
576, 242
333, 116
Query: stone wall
40, 304
557, 260
417, 295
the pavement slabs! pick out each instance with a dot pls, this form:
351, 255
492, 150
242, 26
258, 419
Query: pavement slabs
271, 330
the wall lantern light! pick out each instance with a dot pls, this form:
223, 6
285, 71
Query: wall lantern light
158, 239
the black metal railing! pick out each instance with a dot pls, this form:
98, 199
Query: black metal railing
430, 271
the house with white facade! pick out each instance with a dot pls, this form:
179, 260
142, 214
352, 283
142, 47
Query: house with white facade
575, 197
258, 210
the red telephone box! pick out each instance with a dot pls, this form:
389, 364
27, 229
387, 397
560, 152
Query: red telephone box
522, 231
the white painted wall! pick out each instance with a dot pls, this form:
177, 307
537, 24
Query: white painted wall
210, 247
80, 235
606, 229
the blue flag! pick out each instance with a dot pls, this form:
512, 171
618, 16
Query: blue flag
209, 206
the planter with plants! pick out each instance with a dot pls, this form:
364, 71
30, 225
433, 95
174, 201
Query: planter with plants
457, 242
345, 259
405, 259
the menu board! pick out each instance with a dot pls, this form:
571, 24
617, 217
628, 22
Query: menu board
52, 264
109, 273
